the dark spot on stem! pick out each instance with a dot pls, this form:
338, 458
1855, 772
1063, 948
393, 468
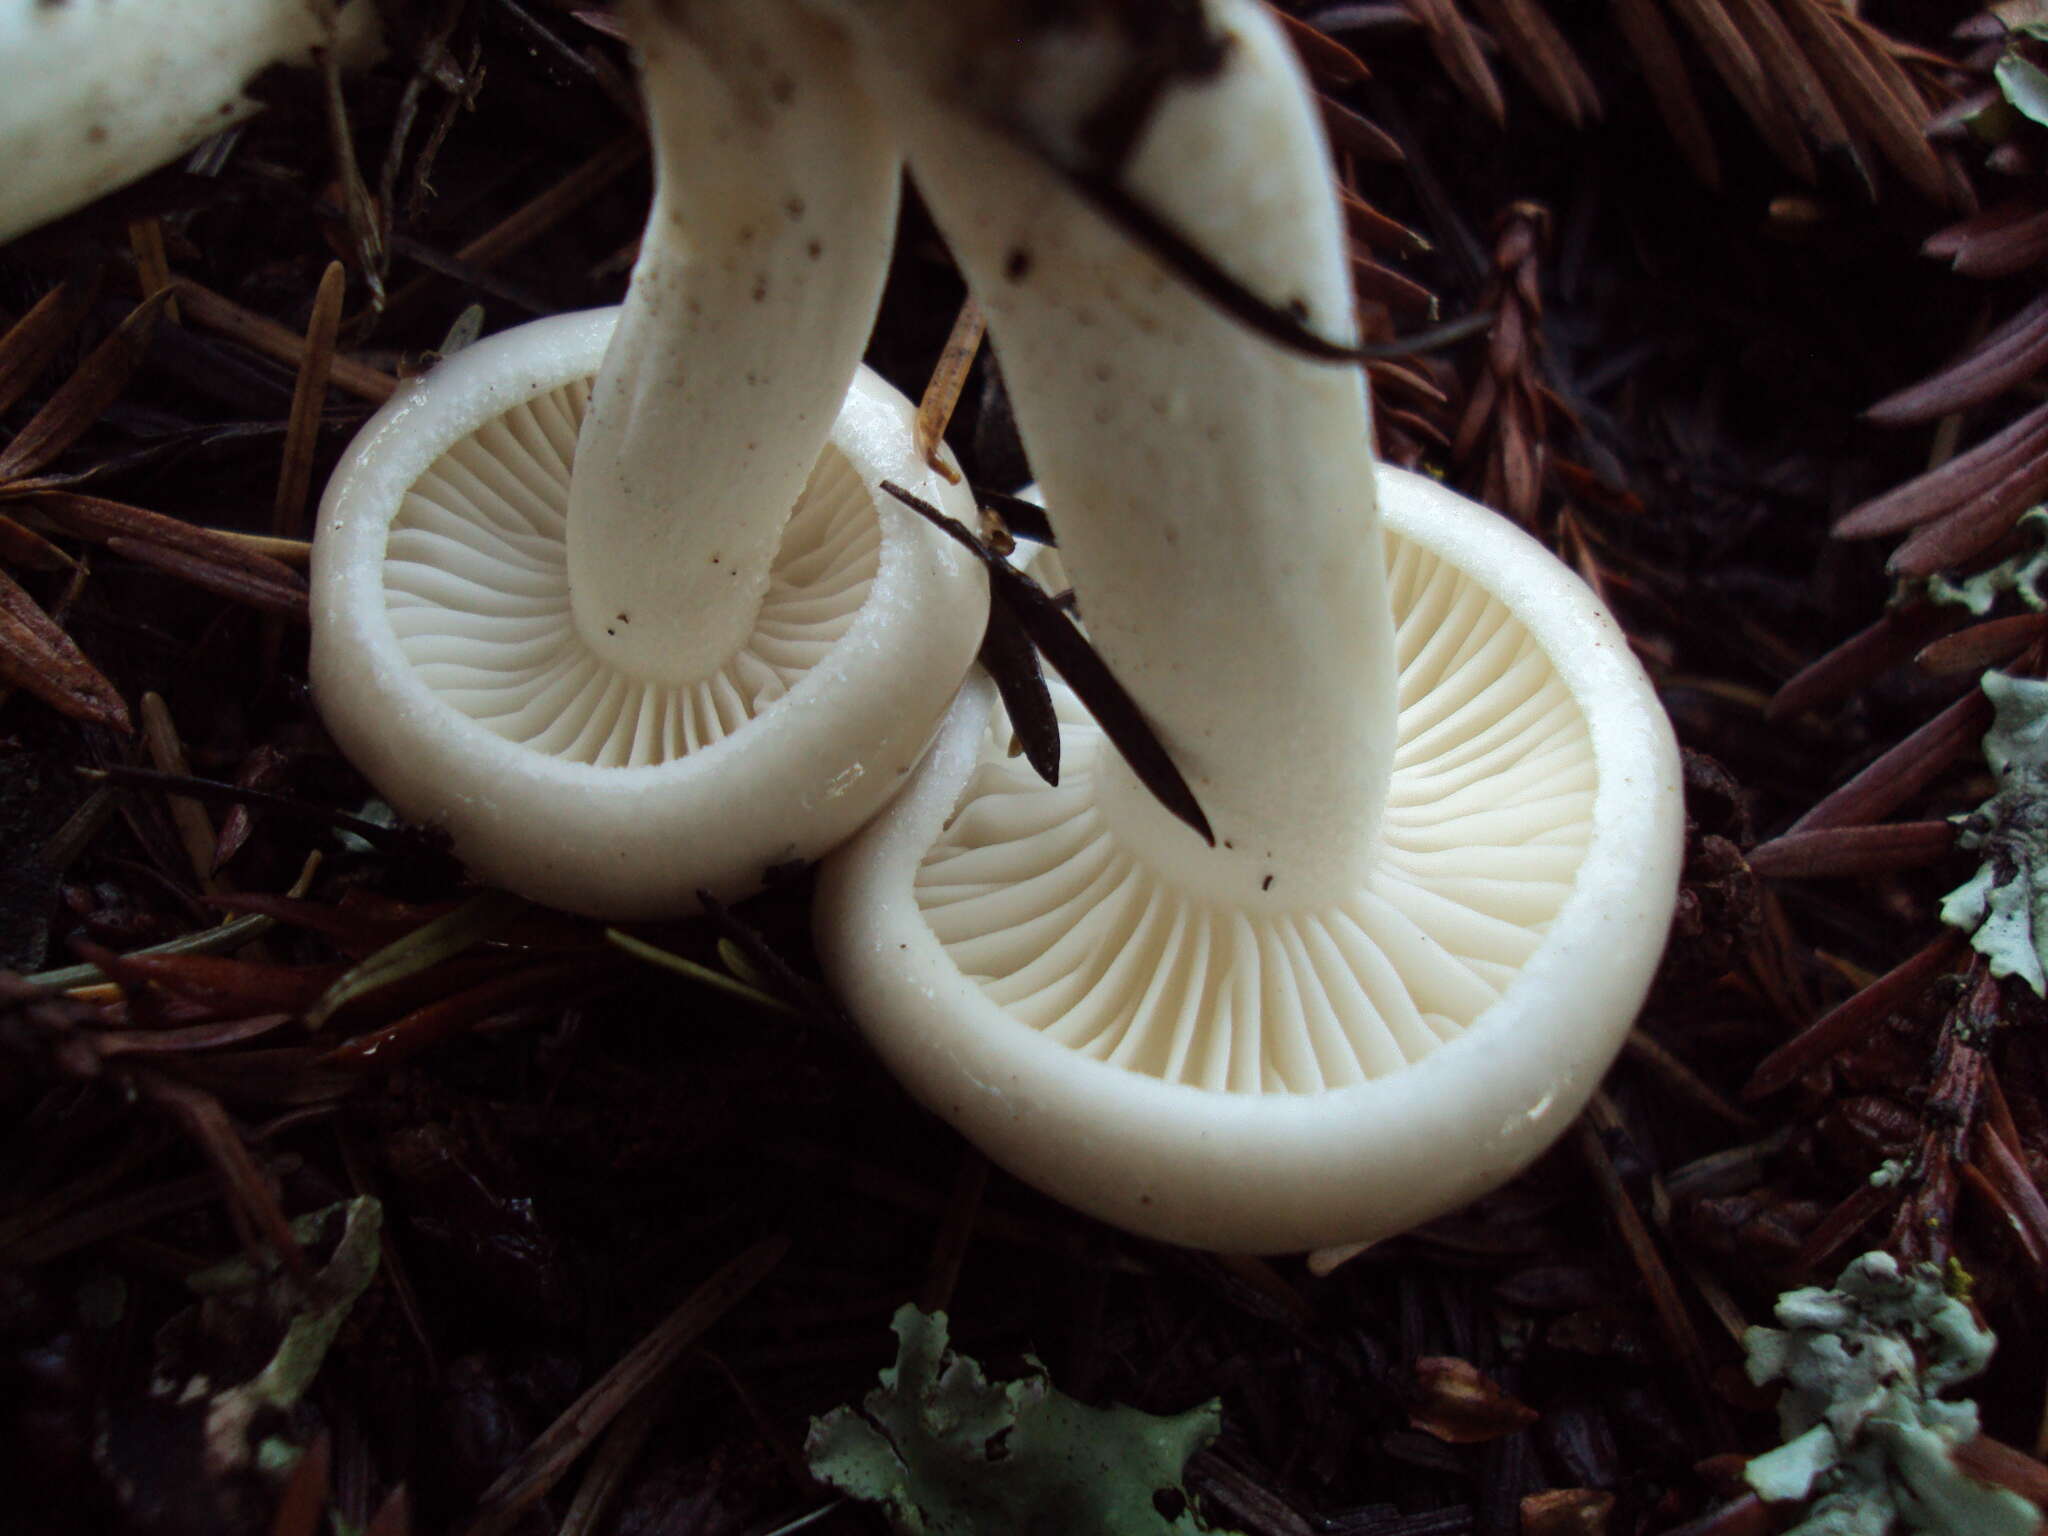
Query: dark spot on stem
1017, 265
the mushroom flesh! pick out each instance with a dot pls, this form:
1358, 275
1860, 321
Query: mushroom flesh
562, 605
1445, 801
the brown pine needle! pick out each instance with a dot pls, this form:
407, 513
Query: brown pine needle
167, 753
152, 266
309, 396
528, 1479
942, 390
224, 317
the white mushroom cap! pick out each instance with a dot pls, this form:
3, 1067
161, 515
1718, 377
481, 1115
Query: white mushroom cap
1445, 803
614, 597
1267, 1082
449, 667
99, 92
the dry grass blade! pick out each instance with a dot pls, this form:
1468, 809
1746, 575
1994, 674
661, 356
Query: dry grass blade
285, 602
1737, 64
364, 218
1672, 1317
2020, 446
102, 521
234, 987
1905, 770
1840, 1026
1354, 134
1383, 285
1898, 112
1367, 225
533, 219
37, 655
2016, 351
84, 397
309, 394
1865, 654
1546, 60
1796, 77
25, 547
541, 1467
27, 1239
201, 556
1457, 49
476, 920
942, 390
2014, 1192
1670, 85
1952, 240
1321, 54
152, 265
1837, 851
188, 816
1862, 91
30, 343
251, 1203
396, 840
2007, 247
225, 317
1974, 527
1840, 1226
1984, 645
405, 1038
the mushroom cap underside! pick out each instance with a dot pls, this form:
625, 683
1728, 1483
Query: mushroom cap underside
1275, 1082
448, 665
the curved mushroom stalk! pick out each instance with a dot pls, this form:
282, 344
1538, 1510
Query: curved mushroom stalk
774, 209
636, 631
1180, 451
101, 93
1445, 799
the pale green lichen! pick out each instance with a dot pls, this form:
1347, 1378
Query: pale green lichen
947, 1452
242, 1301
1867, 1437
2021, 575
2004, 906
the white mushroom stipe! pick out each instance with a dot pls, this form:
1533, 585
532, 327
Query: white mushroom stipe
1446, 801
637, 631
100, 92
450, 668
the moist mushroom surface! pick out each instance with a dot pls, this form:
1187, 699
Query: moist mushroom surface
1444, 799
613, 597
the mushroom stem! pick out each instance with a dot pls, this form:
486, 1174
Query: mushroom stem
100, 94
1213, 491
757, 283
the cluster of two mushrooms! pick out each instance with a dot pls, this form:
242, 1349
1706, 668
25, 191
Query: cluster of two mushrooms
1442, 800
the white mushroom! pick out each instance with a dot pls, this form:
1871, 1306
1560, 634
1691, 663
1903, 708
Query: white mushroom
100, 92
579, 624
1445, 801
